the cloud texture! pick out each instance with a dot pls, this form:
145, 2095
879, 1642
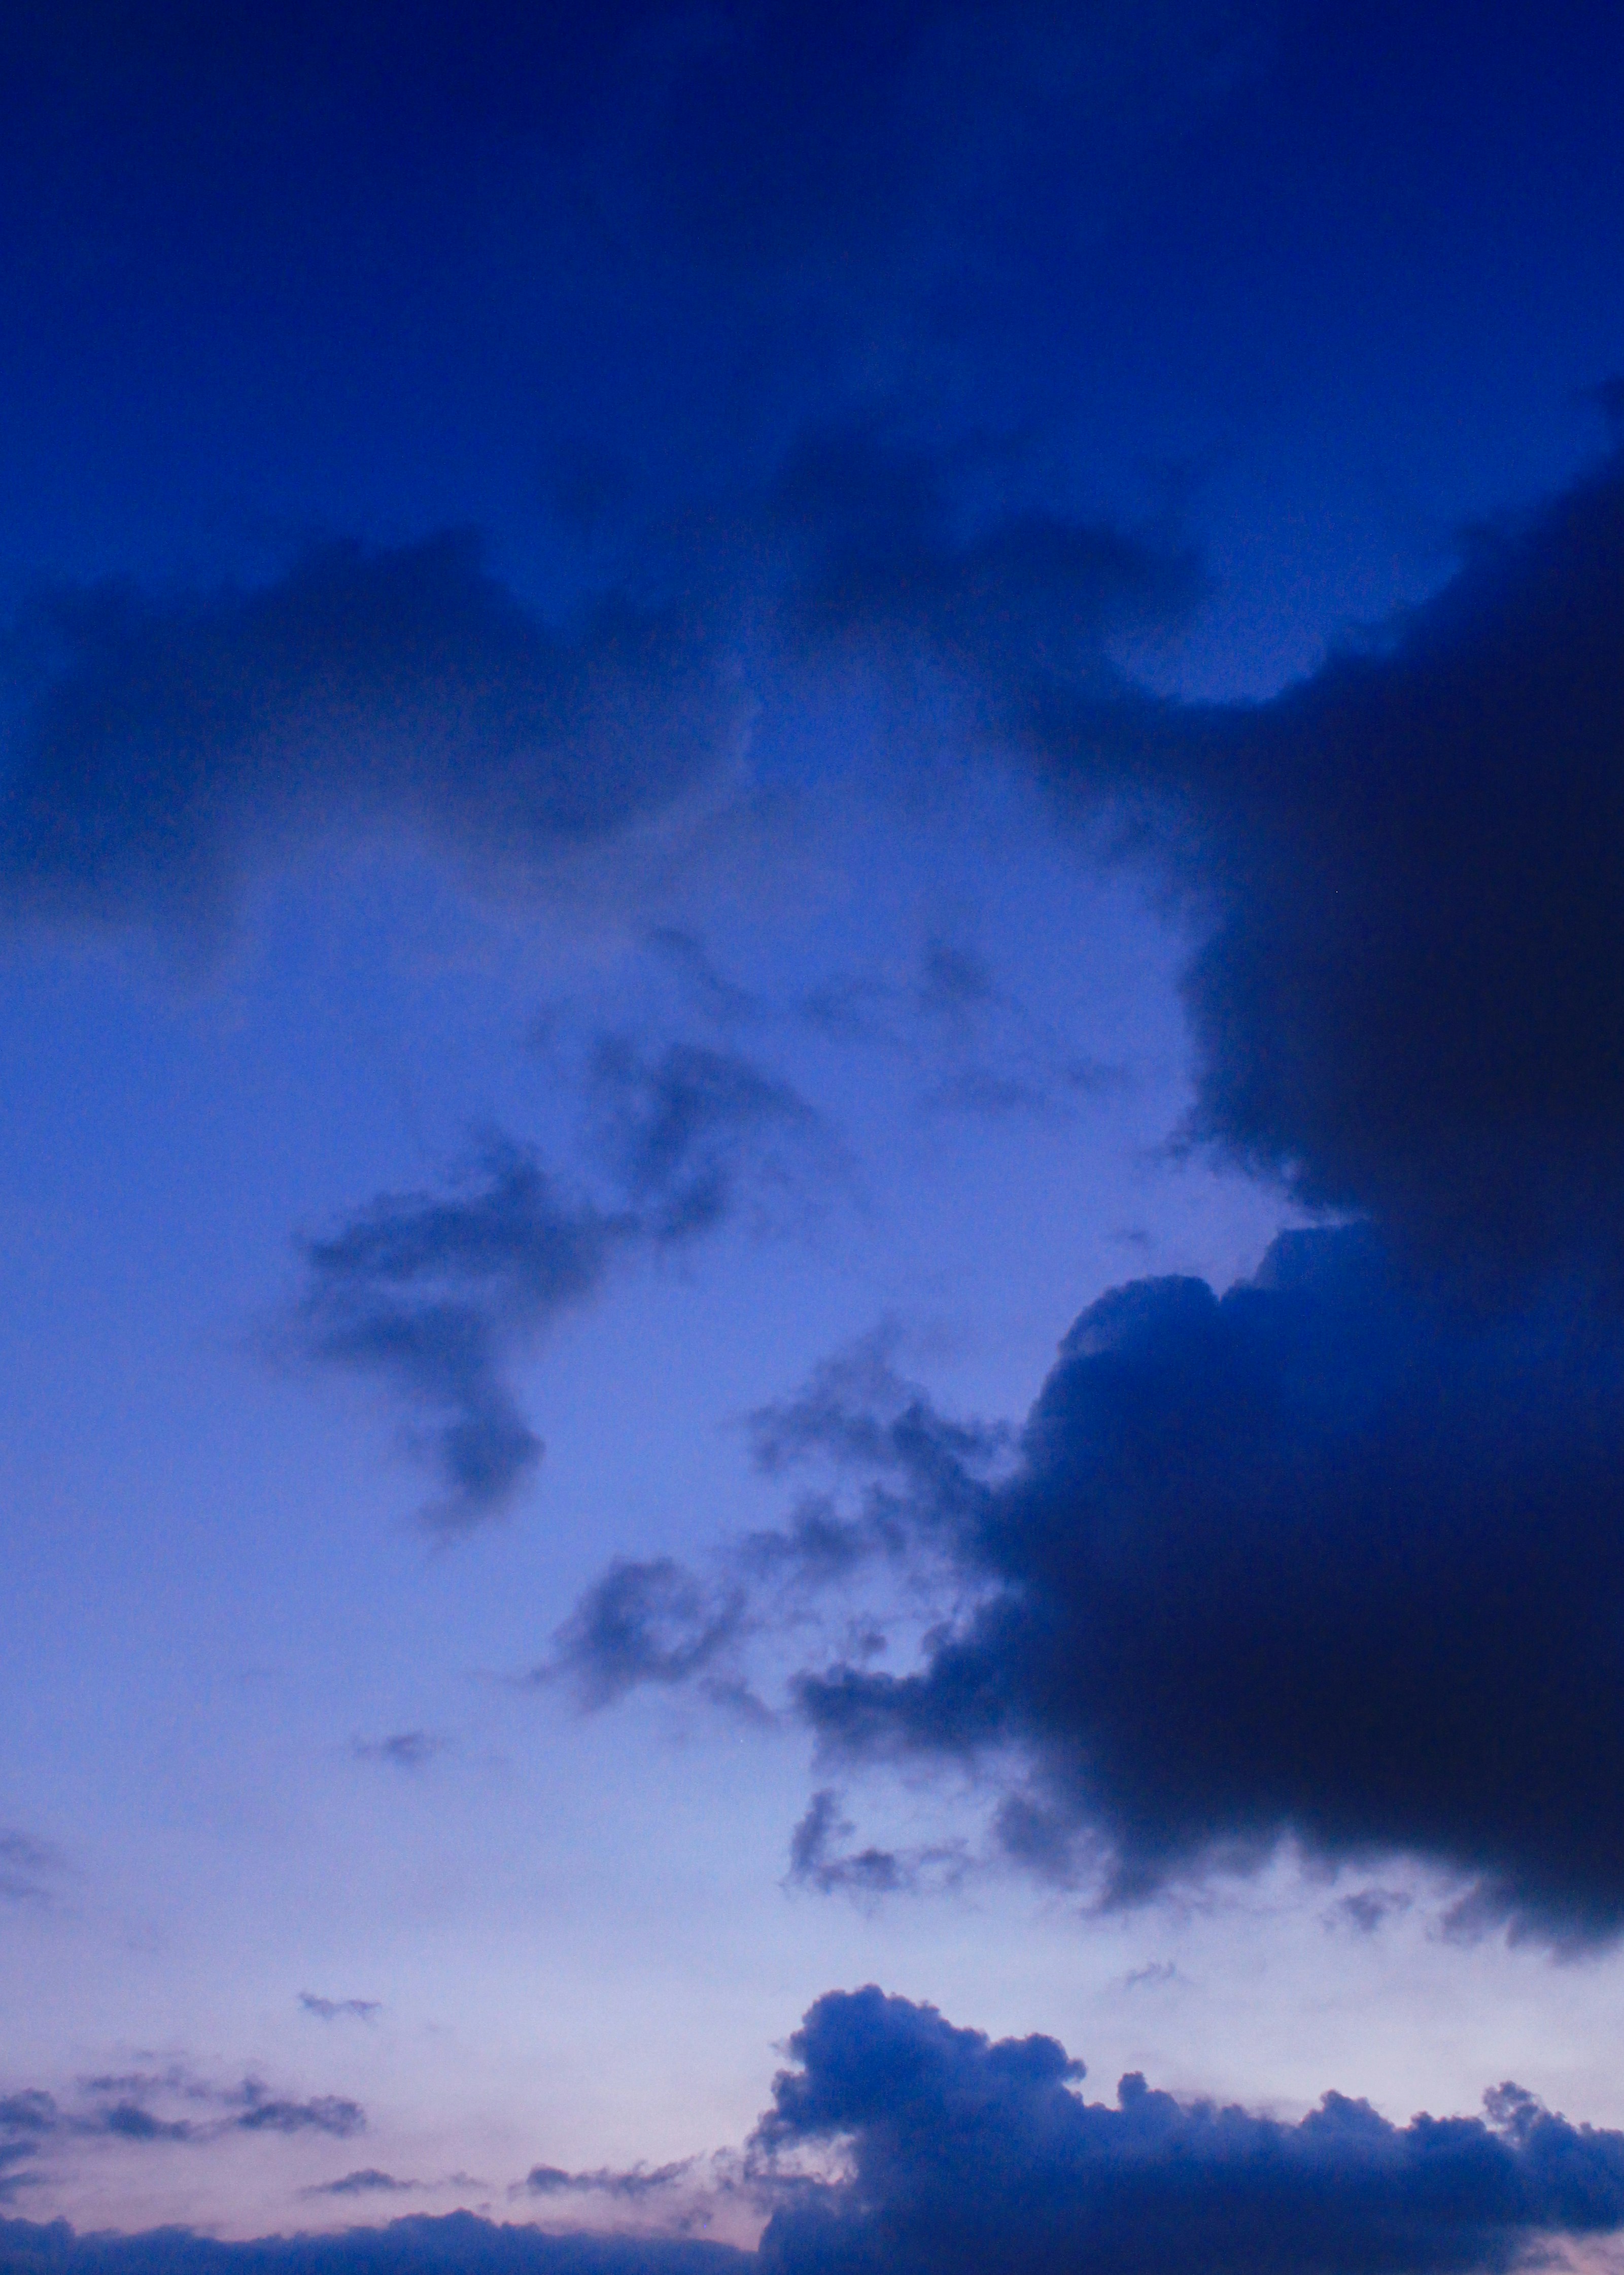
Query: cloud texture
898, 2142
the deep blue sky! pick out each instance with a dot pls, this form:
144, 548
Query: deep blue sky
712, 714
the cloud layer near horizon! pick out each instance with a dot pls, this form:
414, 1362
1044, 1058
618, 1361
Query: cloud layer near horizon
898, 2142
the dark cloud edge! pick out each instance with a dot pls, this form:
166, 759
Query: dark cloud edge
897, 2142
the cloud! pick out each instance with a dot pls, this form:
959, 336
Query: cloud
1405, 866
436, 1293
25, 2120
641, 1623
975, 1050
402, 1749
455, 2244
368, 2181
166, 747
897, 2141
631, 2186
329, 2010
818, 1861
961, 2153
27, 1867
1328, 1557
326, 2112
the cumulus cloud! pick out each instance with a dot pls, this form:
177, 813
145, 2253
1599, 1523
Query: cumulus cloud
960, 2152
1334, 1557
1325, 1556
166, 746
436, 1293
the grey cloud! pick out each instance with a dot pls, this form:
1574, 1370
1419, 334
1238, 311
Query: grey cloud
818, 1861
330, 2010
168, 745
630, 2185
326, 2112
649, 1623
431, 1292
402, 1749
368, 2181
27, 1870
973, 1048
1366, 1910
436, 1293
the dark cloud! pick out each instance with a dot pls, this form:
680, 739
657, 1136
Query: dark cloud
25, 2120
963, 2153
436, 1293
368, 2181
166, 747
330, 2010
678, 1131
326, 2112
1406, 865
1366, 1910
897, 2142
1328, 1556
432, 1292
456, 2243
631, 2186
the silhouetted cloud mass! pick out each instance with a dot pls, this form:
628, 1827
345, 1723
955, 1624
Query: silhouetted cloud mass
1408, 863
1329, 1556
459, 2241
963, 2153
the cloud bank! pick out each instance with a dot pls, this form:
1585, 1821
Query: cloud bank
897, 2142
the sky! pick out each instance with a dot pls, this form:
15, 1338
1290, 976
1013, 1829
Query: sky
813, 1159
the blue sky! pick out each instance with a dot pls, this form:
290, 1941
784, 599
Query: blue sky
706, 717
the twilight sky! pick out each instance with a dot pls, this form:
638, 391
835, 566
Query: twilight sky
812, 838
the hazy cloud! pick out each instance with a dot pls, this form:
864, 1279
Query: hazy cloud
330, 2010
167, 745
